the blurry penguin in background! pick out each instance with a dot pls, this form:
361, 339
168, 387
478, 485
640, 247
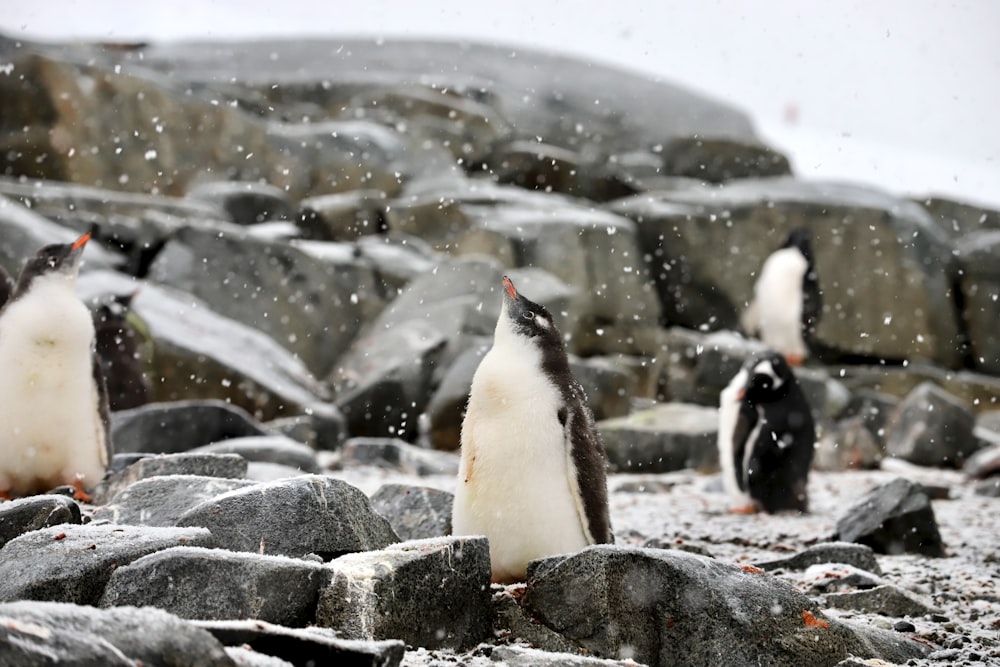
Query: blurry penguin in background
53, 403
787, 303
766, 437
118, 348
6, 286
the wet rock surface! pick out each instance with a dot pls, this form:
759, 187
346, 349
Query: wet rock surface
311, 247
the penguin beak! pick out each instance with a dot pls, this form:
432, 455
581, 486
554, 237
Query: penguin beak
509, 287
82, 241
743, 392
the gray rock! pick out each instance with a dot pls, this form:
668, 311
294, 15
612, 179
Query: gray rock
225, 466
24, 515
886, 599
430, 593
894, 518
847, 445
302, 302
523, 656
874, 408
989, 487
959, 219
247, 657
978, 254
718, 160
199, 354
395, 454
511, 620
28, 644
245, 202
673, 608
607, 386
704, 364
145, 635
976, 389
671, 436
688, 234
857, 555
215, 584
305, 646
931, 428
180, 426
836, 577
446, 408
161, 501
267, 449
398, 259
415, 512
293, 517
344, 216
71, 563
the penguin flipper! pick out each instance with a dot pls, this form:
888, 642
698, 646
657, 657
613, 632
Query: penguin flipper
746, 420
6, 287
587, 459
103, 411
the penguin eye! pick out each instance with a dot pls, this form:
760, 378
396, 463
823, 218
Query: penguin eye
528, 315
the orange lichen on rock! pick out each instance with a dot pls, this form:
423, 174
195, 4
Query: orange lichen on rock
813, 622
751, 569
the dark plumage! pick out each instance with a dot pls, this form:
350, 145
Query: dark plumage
117, 345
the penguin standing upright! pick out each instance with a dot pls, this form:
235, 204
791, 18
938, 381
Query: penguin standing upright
766, 436
787, 302
53, 405
118, 347
532, 472
6, 286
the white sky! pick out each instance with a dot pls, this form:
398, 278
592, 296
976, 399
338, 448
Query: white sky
904, 94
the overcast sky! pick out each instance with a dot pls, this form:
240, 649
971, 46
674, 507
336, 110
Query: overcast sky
904, 94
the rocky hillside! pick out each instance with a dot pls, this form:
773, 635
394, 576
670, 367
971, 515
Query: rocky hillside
312, 234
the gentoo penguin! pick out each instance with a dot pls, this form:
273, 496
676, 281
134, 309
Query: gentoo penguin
53, 406
118, 349
532, 471
787, 303
766, 436
6, 286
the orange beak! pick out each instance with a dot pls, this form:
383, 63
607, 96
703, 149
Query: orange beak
739, 396
82, 241
509, 286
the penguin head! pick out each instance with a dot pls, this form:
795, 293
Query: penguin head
523, 318
768, 378
57, 260
800, 239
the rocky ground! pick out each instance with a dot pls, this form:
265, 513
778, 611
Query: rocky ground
308, 237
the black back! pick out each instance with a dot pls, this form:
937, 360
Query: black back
812, 298
117, 345
575, 415
776, 475
6, 287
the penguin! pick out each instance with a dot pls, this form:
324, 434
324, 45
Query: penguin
118, 348
6, 286
532, 471
766, 437
787, 302
53, 404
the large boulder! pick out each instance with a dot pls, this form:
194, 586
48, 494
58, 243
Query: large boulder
667, 437
705, 247
931, 427
979, 258
894, 518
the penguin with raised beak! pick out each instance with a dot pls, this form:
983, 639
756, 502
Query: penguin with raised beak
53, 404
532, 473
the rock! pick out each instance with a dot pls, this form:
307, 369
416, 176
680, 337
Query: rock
394, 454
215, 584
283, 291
931, 428
446, 408
874, 408
718, 160
144, 636
687, 235
511, 621
606, 385
989, 487
245, 202
431, 593
293, 517
648, 604
847, 445
226, 466
522, 656
305, 646
398, 259
71, 563
24, 515
978, 254
887, 600
671, 436
704, 364
247, 657
267, 449
536, 166
984, 463
180, 426
959, 219
415, 512
835, 577
344, 216
28, 644
978, 390
199, 354
894, 518
161, 501
857, 555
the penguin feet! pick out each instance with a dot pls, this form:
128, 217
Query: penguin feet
79, 493
749, 508
795, 359
5, 495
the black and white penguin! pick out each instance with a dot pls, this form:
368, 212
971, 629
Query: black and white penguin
787, 303
6, 286
532, 472
766, 437
53, 405
118, 346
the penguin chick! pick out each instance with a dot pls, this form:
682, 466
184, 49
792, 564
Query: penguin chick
766, 436
787, 303
53, 406
118, 349
532, 471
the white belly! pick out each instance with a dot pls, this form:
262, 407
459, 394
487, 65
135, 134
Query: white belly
778, 297
516, 491
49, 424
